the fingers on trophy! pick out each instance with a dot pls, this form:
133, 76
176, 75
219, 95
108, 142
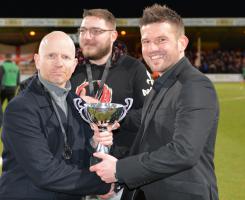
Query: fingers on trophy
102, 114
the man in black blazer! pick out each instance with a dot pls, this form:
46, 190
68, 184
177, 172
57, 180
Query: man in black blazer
46, 143
173, 155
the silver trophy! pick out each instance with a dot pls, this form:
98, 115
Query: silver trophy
102, 114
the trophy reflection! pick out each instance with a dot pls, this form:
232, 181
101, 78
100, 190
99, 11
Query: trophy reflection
102, 114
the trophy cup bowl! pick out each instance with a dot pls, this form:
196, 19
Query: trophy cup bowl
102, 114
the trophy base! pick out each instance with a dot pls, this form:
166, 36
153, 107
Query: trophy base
94, 160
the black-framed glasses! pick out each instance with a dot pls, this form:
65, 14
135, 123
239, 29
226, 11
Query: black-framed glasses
93, 31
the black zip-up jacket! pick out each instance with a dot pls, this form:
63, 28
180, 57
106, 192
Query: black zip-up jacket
127, 77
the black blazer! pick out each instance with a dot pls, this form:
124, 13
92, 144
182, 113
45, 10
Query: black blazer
172, 157
33, 166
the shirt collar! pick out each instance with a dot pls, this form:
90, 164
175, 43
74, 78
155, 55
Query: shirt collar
57, 93
158, 83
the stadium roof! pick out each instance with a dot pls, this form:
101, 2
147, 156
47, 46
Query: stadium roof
120, 8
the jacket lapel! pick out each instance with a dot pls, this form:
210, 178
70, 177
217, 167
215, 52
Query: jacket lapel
153, 105
42, 97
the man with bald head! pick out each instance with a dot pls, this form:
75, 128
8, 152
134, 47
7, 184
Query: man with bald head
46, 143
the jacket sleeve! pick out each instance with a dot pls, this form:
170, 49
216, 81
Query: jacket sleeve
196, 116
142, 85
23, 135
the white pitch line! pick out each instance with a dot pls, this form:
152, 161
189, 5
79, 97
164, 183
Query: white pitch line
232, 99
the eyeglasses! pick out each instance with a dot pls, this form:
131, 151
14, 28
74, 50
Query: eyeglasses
92, 31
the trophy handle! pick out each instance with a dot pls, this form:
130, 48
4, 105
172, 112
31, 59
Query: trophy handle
129, 103
81, 108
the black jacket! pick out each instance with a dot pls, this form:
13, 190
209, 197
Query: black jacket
127, 77
33, 166
173, 154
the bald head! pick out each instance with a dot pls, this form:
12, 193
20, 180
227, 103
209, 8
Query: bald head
57, 38
56, 60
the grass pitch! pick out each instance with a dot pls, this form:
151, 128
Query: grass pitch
230, 146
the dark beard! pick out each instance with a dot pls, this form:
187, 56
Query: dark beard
100, 54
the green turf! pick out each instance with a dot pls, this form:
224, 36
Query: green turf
230, 146
230, 151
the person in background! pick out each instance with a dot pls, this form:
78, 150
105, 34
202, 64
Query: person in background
172, 157
106, 73
46, 144
10, 78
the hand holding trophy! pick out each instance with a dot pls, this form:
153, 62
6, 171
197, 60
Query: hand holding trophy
102, 114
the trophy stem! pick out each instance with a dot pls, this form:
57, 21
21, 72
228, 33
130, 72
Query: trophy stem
99, 148
102, 128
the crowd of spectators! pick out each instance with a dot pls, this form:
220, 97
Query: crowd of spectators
218, 61
212, 61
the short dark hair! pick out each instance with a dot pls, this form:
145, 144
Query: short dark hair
101, 13
161, 13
